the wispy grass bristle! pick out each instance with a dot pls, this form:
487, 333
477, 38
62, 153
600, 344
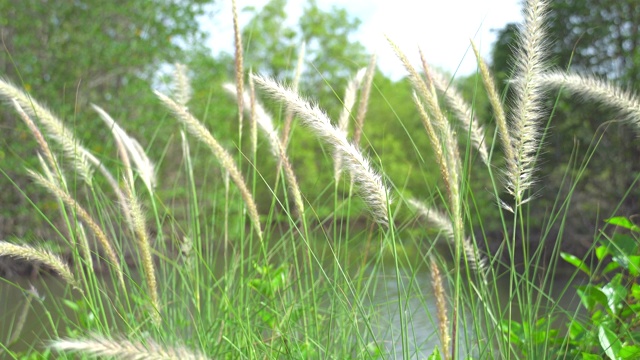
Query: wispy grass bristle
43, 256
252, 115
527, 109
239, 63
343, 121
144, 247
438, 126
44, 146
462, 110
443, 223
374, 192
288, 118
363, 104
78, 155
124, 349
201, 133
181, 84
591, 88
496, 104
71, 203
441, 305
143, 165
265, 122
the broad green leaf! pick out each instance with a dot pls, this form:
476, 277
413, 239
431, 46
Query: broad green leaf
634, 265
610, 267
575, 261
513, 331
591, 295
635, 291
576, 329
615, 293
629, 352
609, 342
435, 355
587, 356
601, 252
623, 244
623, 222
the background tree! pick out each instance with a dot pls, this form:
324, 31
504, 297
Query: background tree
597, 36
332, 57
72, 53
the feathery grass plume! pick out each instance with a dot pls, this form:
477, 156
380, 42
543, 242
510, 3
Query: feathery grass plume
99, 346
441, 305
496, 104
54, 127
450, 162
460, 108
253, 131
201, 133
83, 243
181, 84
238, 62
452, 156
60, 181
435, 141
144, 166
363, 105
264, 120
22, 319
44, 146
343, 120
288, 117
443, 223
122, 149
144, 246
527, 110
43, 256
626, 102
373, 191
71, 203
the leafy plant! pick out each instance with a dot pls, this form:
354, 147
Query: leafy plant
611, 300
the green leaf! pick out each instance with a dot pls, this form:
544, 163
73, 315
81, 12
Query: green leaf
588, 356
575, 261
635, 291
609, 342
512, 330
634, 265
601, 252
623, 222
629, 352
615, 292
622, 244
71, 305
576, 330
591, 295
610, 267
435, 355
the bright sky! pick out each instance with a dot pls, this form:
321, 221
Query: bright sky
442, 28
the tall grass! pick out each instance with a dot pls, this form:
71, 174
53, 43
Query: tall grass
205, 287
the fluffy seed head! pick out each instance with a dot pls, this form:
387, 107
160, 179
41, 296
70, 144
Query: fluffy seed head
40, 255
374, 192
527, 111
97, 345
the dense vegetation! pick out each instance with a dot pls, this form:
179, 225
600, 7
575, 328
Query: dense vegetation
178, 232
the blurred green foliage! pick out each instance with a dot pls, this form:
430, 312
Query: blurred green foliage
68, 54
